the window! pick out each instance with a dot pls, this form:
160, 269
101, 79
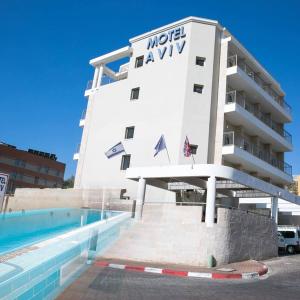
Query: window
194, 148
198, 88
200, 61
125, 161
139, 61
288, 234
135, 93
129, 132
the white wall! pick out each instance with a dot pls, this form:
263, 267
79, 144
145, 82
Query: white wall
166, 105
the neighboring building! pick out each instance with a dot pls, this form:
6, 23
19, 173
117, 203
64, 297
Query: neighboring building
189, 78
30, 169
294, 187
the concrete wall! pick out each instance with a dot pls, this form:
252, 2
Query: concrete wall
176, 234
74, 198
166, 105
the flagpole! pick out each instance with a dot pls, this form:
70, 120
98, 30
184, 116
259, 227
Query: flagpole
167, 150
193, 161
168, 155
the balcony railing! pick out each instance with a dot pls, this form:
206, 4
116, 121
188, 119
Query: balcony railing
232, 138
240, 99
89, 85
235, 61
83, 115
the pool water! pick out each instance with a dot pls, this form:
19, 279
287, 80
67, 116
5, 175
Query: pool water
24, 228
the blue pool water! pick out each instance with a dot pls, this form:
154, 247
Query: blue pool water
20, 229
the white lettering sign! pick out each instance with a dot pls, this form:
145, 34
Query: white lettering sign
176, 36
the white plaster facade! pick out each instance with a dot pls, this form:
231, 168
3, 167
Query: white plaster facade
237, 121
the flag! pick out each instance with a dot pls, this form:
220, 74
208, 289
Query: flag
161, 145
115, 150
187, 150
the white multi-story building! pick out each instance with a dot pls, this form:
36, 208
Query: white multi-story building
189, 78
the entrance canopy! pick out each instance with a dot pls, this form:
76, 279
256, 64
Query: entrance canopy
229, 181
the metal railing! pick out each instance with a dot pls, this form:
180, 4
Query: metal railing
89, 85
240, 99
232, 138
83, 115
235, 61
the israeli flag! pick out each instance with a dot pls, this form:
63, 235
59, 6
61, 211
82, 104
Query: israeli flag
161, 145
115, 150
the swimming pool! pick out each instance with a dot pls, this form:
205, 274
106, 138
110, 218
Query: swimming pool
57, 246
24, 228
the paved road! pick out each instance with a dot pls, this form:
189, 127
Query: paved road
283, 282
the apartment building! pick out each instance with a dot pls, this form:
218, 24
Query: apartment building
194, 79
31, 168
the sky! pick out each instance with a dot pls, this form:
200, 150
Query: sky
46, 45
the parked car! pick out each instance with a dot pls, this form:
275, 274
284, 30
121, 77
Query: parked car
281, 242
291, 236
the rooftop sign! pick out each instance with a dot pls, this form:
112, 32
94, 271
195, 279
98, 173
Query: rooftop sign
173, 40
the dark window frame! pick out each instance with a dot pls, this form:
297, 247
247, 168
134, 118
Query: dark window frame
139, 61
198, 88
200, 61
129, 132
135, 93
194, 149
125, 162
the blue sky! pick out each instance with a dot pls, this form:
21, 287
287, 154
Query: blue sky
46, 45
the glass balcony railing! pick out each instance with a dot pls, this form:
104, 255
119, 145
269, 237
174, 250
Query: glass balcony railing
233, 138
83, 115
89, 85
241, 100
235, 61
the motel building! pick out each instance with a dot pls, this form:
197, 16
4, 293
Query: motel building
193, 80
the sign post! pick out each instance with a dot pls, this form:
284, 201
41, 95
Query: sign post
3, 187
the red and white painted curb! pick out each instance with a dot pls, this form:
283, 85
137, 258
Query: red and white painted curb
212, 275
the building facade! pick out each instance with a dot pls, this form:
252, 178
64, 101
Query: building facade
191, 78
30, 169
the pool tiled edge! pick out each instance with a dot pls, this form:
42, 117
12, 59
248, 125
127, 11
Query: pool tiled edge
43, 272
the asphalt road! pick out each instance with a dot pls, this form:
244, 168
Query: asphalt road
283, 282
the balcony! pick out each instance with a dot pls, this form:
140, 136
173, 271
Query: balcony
82, 119
76, 154
262, 88
240, 111
104, 75
232, 138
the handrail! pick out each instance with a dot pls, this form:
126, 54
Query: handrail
241, 100
234, 60
231, 138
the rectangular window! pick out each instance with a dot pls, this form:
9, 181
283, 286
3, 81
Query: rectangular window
200, 61
288, 234
198, 88
125, 161
135, 93
139, 61
129, 132
194, 148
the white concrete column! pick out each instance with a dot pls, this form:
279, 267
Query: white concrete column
99, 76
274, 209
210, 202
96, 75
140, 198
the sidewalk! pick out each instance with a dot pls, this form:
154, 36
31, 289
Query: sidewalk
239, 270
83, 288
